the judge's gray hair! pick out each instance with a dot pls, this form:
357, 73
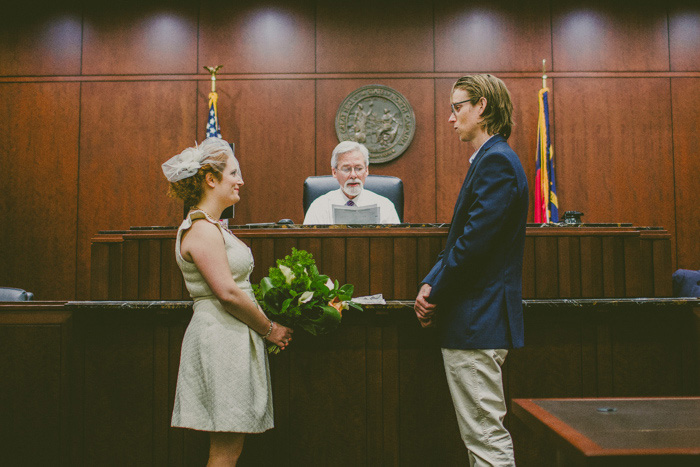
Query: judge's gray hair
349, 146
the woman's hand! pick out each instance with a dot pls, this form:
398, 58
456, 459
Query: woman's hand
281, 336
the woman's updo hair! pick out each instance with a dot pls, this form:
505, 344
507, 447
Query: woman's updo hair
190, 168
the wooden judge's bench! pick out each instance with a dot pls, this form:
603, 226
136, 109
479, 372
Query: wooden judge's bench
583, 261
599, 322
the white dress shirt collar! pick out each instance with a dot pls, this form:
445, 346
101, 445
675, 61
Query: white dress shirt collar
471, 159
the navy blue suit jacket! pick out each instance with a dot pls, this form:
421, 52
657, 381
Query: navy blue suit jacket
477, 280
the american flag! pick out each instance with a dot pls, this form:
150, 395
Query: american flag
213, 129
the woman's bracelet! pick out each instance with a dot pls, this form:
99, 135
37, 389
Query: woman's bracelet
269, 331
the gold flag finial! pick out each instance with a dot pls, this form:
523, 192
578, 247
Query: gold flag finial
212, 70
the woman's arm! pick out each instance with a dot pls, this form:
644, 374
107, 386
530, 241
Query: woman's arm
203, 245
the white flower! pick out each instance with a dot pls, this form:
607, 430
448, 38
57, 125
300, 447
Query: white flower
288, 276
305, 297
330, 284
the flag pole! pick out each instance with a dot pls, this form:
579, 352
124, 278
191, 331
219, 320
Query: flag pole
544, 73
213, 118
212, 70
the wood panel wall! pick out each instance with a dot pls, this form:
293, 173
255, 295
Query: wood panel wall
94, 97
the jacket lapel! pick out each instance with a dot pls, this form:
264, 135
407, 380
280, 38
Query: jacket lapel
470, 174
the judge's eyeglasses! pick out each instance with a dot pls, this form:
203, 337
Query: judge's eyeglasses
358, 170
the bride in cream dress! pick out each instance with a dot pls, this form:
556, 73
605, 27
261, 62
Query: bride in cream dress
223, 384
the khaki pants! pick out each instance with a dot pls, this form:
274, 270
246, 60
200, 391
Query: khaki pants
476, 386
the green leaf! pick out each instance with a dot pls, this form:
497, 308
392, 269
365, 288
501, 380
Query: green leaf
266, 285
328, 320
347, 290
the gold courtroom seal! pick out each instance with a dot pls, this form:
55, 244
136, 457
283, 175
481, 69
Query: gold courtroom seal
378, 117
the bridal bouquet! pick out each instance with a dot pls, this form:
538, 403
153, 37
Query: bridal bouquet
296, 295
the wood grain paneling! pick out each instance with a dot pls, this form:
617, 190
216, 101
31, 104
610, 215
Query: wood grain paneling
686, 161
128, 130
499, 36
425, 407
452, 156
529, 268
170, 278
591, 267
32, 394
381, 269
552, 360
314, 403
258, 37
416, 166
647, 353
39, 160
119, 382
613, 142
608, 126
597, 35
263, 250
569, 267
138, 37
40, 38
272, 126
684, 35
102, 382
357, 268
362, 36
546, 267
405, 272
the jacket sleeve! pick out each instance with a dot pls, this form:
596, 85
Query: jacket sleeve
494, 188
430, 278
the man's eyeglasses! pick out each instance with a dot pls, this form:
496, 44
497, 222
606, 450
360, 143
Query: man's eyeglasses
358, 170
455, 109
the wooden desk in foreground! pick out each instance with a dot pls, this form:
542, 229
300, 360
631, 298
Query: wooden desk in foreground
617, 432
92, 383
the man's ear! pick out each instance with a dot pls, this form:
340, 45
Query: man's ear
334, 171
482, 105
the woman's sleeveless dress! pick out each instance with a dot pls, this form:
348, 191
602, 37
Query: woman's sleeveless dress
224, 378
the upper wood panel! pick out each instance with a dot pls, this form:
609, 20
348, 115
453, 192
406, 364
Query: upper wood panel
366, 35
272, 126
255, 37
39, 160
452, 156
416, 166
598, 35
686, 157
613, 150
504, 35
684, 32
128, 130
40, 38
138, 37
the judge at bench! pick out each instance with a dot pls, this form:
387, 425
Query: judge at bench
350, 166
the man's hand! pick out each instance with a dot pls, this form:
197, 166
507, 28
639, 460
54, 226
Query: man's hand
424, 309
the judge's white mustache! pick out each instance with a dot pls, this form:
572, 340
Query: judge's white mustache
353, 190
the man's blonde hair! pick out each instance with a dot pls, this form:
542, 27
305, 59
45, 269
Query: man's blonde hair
498, 115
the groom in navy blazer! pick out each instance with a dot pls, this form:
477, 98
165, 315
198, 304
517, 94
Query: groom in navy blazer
473, 294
